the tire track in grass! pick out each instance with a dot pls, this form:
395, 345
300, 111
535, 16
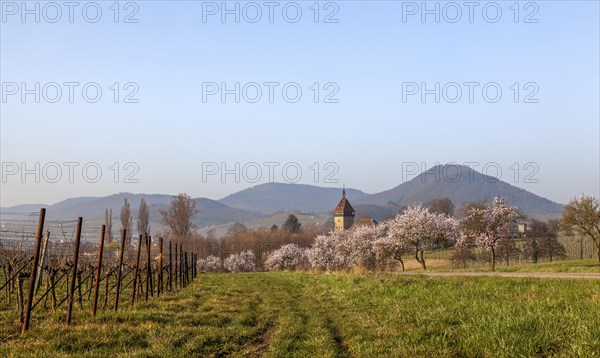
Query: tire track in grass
306, 317
341, 347
259, 346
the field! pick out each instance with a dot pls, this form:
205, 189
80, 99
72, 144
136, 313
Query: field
305, 314
566, 266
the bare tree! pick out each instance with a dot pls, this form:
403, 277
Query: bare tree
507, 249
542, 240
143, 221
236, 229
462, 254
126, 220
211, 234
108, 223
583, 216
178, 217
441, 206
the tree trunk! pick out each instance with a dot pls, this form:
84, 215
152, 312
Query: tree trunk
106, 284
10, 287
79, 289
53, 284
399, 258
420, 259
47, 288
493, 259
20, 300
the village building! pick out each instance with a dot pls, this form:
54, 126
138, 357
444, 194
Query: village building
343, 214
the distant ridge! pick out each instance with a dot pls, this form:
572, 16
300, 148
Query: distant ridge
458, 183
462, 184
211, 211
270, 198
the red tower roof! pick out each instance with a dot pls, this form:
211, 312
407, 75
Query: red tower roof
344, 206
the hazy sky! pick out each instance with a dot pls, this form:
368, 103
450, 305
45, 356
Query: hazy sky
371, 61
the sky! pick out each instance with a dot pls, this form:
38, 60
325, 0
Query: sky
209, 98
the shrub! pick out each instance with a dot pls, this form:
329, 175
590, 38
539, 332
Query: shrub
287, 257
245, 261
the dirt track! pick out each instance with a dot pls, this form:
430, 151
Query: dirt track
512, 274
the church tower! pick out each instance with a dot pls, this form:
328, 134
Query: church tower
343, 214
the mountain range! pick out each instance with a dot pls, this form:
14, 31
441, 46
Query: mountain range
211, 211
458, 183
462, 184
274, 197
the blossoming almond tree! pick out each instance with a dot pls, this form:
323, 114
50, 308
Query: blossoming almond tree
420, 230
345, 250
486, 225
386, 247
321, 255
287, 257
242, 262
210, 264
355, 248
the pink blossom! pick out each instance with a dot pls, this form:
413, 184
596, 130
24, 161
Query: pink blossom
245, 261
287, 257
210, 264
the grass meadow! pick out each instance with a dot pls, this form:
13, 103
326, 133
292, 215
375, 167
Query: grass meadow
300, 314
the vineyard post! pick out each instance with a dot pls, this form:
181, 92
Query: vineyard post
195, 268
179, 266
120, 269
135, 271
170, 268
98, 270
176, 266
74, 273
148, 267
187, 269
150, 273
160, 267
42, 260
36, 258
180, 256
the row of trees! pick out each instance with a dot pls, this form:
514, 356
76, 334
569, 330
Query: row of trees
260, 241
531, 248
177, 218
418, 229
413, 232
245, 261
143, 219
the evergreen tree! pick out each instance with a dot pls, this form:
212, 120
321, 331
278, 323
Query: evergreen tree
292, 224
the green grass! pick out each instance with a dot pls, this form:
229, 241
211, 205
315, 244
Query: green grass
570, 266
334, 315
575, 266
